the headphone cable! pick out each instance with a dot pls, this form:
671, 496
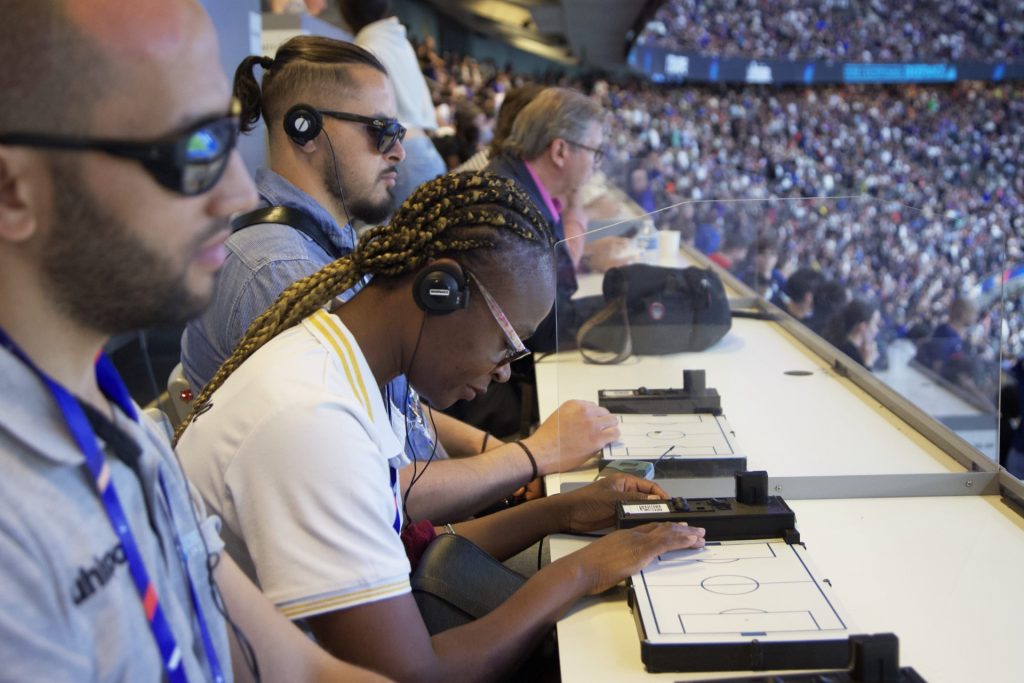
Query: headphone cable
337, 178
416, 474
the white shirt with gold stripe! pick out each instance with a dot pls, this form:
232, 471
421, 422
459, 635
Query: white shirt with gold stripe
298, 455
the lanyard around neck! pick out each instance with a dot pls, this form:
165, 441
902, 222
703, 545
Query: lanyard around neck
85, 437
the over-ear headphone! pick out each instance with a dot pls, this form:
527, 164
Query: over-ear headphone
303, 123
441, 289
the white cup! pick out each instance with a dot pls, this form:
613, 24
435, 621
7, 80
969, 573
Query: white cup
668, 247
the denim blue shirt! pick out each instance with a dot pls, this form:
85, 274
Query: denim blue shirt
262, 261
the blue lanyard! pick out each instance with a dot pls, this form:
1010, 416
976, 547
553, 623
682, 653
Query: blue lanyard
81, 430
397, 524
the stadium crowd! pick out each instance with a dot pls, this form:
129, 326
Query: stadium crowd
846, 30
935, 172
918, 188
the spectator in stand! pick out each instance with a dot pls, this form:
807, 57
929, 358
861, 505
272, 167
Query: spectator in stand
640, 189
430, 62
853, 331
379, 31
758, 270
829, 300
947, 343
458, 148
797, 295
734, 249
511, 105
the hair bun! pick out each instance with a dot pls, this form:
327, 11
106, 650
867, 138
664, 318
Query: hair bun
266, 62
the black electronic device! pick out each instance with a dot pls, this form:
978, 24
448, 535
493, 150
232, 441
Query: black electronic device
875, 659
440, 288
751, 514
302, 123
694, 397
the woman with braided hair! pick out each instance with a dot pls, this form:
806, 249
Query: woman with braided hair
296, 445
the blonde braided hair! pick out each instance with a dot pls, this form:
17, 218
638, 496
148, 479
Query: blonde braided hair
458, 213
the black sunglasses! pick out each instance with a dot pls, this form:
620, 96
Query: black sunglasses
389, 131
189, 161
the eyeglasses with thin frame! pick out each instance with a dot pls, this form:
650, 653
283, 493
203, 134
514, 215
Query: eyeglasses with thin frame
189, 161
516, 349
598, 151
389, 131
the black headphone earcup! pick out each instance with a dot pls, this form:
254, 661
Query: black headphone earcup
303, 123
441, 289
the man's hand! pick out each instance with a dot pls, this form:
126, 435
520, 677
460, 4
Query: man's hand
593, 507
572, 435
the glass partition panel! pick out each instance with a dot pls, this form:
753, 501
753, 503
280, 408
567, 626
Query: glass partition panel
911, 297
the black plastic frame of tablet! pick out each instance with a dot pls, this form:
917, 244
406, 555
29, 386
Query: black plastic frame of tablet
751, 655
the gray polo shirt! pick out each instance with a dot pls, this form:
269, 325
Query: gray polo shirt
68, 608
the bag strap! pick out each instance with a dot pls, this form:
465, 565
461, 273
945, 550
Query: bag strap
617, 305
293, 218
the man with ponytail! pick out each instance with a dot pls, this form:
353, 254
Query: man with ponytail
335, 171
118, 173
344, 172
296, 440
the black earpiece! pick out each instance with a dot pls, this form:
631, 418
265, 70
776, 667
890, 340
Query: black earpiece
441, 289
303, 123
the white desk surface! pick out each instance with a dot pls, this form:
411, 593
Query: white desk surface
943, 574
820, 424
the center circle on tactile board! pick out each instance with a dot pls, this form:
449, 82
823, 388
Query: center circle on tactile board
666, 434
730, 584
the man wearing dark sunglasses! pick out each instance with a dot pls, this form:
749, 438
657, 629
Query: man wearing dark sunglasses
330, 142
118, 174
376, 28
334, 154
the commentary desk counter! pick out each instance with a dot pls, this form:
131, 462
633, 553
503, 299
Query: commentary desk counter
914, 542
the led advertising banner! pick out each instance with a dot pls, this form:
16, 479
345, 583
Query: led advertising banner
665, 66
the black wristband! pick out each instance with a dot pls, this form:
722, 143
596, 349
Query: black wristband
487, 437
533, 461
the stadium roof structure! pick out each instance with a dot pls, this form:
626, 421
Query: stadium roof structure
570, 32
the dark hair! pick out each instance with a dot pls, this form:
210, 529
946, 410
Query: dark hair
514, 101
801, 283
962, 311
829, 299
359, 13
467, 133
462, 216
766, 244
302, 67
842, 323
